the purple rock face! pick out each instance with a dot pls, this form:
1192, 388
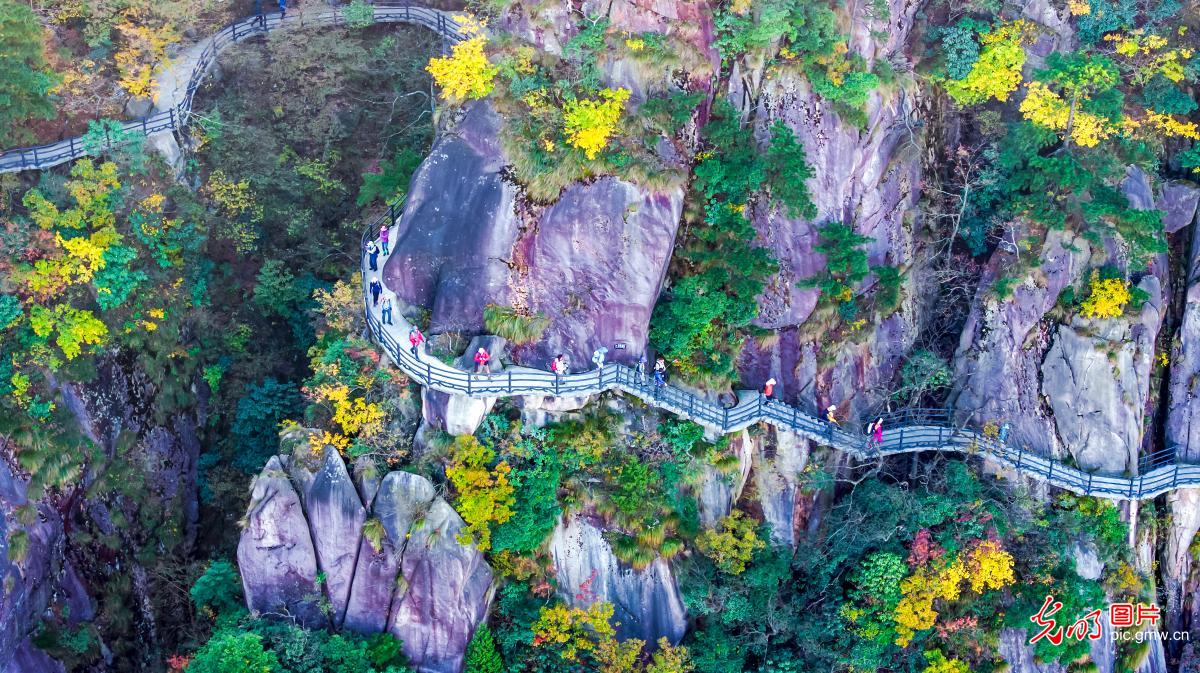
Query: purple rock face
27, 584
1183, 424
447, 590
410, 575
275, 555
335, 518
594, 261
646, 603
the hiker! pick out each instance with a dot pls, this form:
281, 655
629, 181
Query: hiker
376, 288
556, 366
660, 372
877, 433
283, 14
415, 338
373, 255
386, 311
768, 389
598, 357
384, 235
641, 369
829, 415
1003, 434
483, 362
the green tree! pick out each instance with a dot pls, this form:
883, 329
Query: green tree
482, 655
277, 291
218, 591
25, 80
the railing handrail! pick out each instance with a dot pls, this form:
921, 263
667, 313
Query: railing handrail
925, 429
179, 115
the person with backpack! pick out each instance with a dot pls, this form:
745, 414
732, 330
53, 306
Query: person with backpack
660, 372
641, 369
386, 311
598, 357
376, 287
373, 255
415, 339
768, 389
877, 434
556, 366
483, 362
384, 235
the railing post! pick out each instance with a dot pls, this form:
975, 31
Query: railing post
557, 378
725, 418
691, 401
1088, 490
1174, 479
902, 438
469, 384
510, 388
35, 159
428, 374
795, 412
1050, 475
1020, 453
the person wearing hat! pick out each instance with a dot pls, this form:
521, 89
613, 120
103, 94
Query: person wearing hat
483, 362
373, 255
598, 357
376, 287
829, 414
768, 389
415, 338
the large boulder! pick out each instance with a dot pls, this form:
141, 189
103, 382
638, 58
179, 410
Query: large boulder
720, 489
446, 592
396, 565
646, 603
276, 557
593, 261
781, 457
335, 518
1097, 384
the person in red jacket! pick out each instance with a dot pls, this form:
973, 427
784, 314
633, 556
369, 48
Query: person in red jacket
483, 362
769, 389
416, 339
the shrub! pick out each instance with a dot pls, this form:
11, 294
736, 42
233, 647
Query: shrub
997, 71
232, 652
509, 323
1107, 298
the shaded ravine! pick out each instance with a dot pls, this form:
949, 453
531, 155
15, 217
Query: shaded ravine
906, 432
175, 86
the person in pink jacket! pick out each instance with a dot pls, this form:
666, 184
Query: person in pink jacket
384, 235
416, 339
483, 362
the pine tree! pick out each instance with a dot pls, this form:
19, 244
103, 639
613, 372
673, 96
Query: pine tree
482, 656
24, 78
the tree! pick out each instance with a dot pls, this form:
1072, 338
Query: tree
25, 81
482, 655
485, 495
466, 72
590, 123
218, 591
997, 71
1107, 298
733, 544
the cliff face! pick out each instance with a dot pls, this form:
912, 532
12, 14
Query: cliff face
390, 561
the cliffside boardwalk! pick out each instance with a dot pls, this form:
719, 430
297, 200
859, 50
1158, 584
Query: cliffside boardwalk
906, 432
176, 85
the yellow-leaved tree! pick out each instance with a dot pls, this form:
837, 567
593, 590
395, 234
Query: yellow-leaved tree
997, 71
590, 123
1107, 299
484, 494
466, 72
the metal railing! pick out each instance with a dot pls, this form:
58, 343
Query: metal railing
178, 115
908, 431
